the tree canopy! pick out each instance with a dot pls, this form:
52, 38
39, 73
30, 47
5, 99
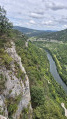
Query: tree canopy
5, 25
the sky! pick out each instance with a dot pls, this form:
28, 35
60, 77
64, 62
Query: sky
37, 14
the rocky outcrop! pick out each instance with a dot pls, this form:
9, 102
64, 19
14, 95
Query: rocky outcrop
26, 44
14, 85
2, 117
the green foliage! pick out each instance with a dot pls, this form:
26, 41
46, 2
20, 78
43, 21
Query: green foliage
2, 83
46, 98
49, 110
12, 108
59, 35
1, 112
19, 72
5, 25
59, 54
12, 104
37, 96
5, 59
25, 113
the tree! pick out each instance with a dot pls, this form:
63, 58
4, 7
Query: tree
37, 96
5, 25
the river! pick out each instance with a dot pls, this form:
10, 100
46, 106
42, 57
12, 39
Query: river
53, 70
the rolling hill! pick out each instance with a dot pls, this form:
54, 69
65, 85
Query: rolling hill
59, 35
32, 32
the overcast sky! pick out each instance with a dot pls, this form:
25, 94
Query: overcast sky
37, 14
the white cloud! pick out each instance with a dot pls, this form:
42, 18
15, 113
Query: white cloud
35, 15
39, 14
39, 11
65, 26
53, 5
49, 22
32, 22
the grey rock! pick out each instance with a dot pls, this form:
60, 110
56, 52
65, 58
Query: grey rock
15, 86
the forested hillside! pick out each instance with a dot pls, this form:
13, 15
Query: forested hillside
60, 36
46, 94
27, 88
59, 53
32, 32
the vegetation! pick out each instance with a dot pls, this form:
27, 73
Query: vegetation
31, 32
26, 113
19, 73
59, 53
12, 105
46, 35
46, 94
5, 59
37, 95
46, 97
5, 25
59, 35
2, 83
7, 34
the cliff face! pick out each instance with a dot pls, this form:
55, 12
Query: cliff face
15, 96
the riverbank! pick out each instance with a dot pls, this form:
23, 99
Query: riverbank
54, 72
58, 67
59, 54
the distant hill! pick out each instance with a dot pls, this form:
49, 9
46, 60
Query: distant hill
47, 34
32, 32
59, 35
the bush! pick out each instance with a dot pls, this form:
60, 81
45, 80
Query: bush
37, 96
12, 108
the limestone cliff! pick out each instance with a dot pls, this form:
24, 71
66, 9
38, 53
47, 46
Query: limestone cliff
15, 97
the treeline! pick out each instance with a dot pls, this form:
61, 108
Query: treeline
59, 35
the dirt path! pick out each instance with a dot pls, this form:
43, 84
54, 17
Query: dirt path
62, 104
